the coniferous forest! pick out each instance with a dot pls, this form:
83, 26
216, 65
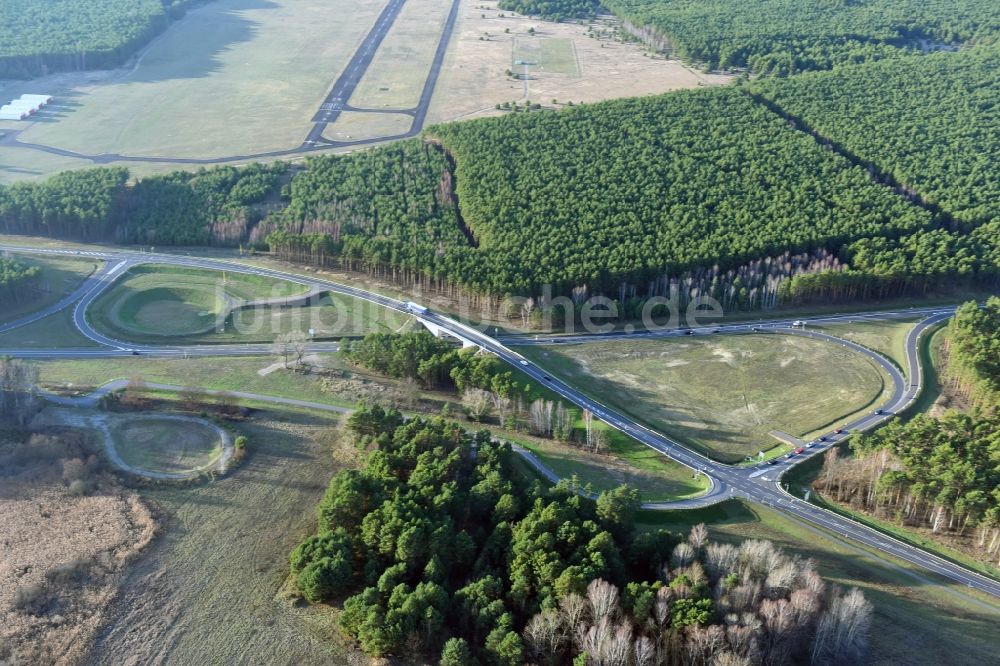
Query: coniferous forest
439, 549
783, 37
37, 38
831, 186
15, 278
552, 10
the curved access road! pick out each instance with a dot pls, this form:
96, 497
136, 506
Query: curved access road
757, 484
86, 286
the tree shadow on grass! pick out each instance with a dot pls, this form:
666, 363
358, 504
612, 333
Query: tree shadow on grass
211, 31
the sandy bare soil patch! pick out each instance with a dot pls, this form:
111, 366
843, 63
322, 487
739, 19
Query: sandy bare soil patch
474, 80
69, 530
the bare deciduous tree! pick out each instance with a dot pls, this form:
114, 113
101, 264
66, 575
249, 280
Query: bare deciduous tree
720, 559
643, 652
574, 609
18, 381
291, 346
603, 598
546, 633
842, 633
477, 403
682, 556
698, 536
135, 392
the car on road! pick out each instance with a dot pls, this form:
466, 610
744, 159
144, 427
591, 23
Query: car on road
135, 353
772, 462
524, 362
754, 329
880, 411
798, 323
838, 431
799, 450
546, 378
823, 438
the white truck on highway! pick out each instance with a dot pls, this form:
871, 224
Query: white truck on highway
415, 308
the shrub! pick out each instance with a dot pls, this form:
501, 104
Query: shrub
26, 597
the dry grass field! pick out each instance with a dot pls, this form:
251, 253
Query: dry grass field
359, 125
724, 394
397, 75
212, 590
572, 66
69, 530
232, 77
165, 445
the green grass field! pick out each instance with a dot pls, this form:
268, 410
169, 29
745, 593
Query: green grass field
654, 482
885, 337
153, 302
656, 476
165, 445
17, 164
60, 276
233, 77
56, 330
723, 394
554, 56
220, 373
917, 621
933, 362
401, 65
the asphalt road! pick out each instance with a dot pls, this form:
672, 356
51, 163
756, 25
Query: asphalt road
349, 79
761, 484
335, 102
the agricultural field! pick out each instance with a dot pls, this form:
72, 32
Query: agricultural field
395, 79
18, 165
228, 540
547, 54
723, 395
60, 277
252, 375
232, 77
578, 65
916, 622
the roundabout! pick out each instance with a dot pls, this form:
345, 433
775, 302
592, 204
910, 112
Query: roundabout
155, 444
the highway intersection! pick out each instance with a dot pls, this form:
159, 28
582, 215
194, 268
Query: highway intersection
761, 484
